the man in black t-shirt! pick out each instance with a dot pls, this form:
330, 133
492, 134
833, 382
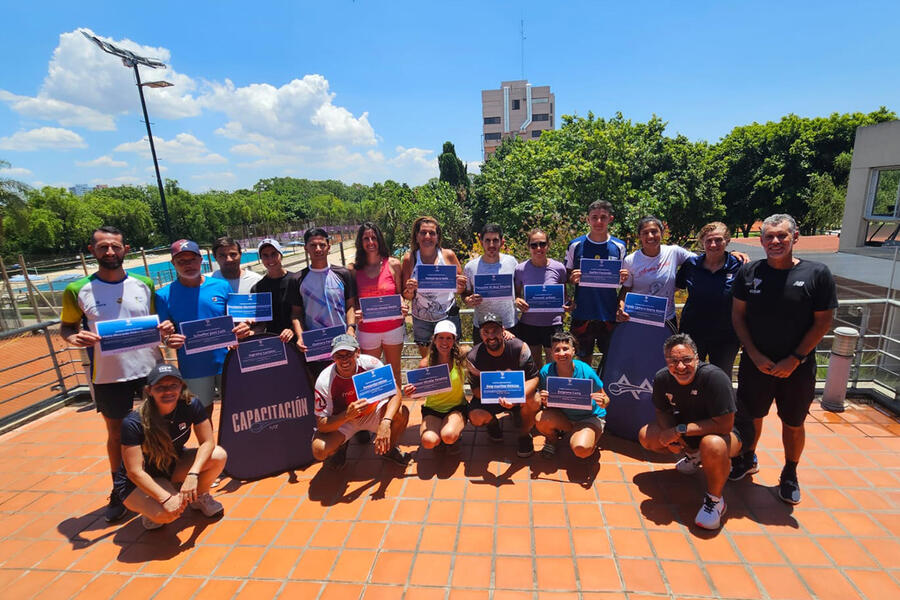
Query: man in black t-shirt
783, 306
284, 288
695, 409
496, 353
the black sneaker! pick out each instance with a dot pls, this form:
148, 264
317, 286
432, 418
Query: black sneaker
526, 446
495, 430
115, 510
788, 488
395, 455
338, 460
743, 465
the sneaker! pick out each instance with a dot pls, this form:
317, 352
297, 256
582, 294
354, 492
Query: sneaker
208, 505
789, 489
338, 460
395, 455
689, 463
526, 446
115, 510
742, 465
495, 430
710, 515
150, 524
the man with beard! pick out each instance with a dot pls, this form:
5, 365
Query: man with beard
227, 253
116, 379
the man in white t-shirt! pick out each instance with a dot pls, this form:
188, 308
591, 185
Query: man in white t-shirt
492, 262
227, 253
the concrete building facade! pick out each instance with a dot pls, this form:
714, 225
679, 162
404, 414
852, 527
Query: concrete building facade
516, 109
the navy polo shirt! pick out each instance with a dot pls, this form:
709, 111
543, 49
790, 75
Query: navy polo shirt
707, 312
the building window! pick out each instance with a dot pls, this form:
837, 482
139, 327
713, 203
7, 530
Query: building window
884, 190
536, 133
492, 120
542, 117
516, 104
491, 137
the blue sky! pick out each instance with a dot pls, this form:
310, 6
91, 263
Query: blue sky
366, 91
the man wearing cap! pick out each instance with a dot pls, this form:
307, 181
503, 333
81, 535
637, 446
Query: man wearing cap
496, 352
284, 288
190, 297
227, 253
116, 379
340, 414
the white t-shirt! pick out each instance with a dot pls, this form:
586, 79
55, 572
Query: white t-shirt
505, 308
242, 284
655, 275
334, 393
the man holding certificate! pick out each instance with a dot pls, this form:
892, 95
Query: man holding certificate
340, 413
111, 295
497, 354
284, 290
489, 282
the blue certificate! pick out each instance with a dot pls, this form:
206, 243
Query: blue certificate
430, 380
548, 298
318, 341
494, 286
436, 278
650, 310
597, 272
380, 308
375, 385
256, 354
568, 392
243, 307
124, 335
204, 335
509, 385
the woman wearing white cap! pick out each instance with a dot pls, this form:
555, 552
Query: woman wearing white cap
444, 414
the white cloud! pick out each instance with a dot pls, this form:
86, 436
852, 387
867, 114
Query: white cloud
102, 161
214, 175
184, 148
14, 172
65, 113
121, 180
248, 149
52, 138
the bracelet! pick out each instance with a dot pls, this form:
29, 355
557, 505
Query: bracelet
386, 419
167, 499
194, 474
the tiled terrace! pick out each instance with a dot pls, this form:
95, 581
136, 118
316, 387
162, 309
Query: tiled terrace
488, 526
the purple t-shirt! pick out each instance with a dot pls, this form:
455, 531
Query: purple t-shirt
528, 274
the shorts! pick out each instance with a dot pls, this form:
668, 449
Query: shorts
591, 333
115, 400
204, 388
793, 395
374, 341
423, 331
534, 335
427, 411
494, 409
578, 418
367, 422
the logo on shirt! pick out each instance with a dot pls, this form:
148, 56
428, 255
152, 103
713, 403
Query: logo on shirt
693, 392
623, 386
799, 283
182, 426
755, 286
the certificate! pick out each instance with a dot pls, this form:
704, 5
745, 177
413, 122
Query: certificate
430, 380
375, 385
568, 392
494, 286
650, 310
509, 385
547, 298
256, 354
600, 273
318, 341
243, 307
380, 308
124, 335
436, 278
204, 335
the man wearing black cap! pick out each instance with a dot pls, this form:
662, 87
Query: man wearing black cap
340, 414
496, 353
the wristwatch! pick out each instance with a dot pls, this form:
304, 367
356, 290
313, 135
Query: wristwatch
681, 428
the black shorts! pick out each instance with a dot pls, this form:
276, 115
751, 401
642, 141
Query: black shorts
591, 333
494, 409
115, 400
534, 335
431, 412
793, 395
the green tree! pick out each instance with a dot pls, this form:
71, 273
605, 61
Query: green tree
453, 171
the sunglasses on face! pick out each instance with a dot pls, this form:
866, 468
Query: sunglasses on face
536, 245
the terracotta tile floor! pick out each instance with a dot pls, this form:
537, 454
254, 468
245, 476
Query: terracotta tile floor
486, 526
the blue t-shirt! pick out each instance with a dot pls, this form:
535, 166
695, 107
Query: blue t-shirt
179, 424
707, 311
594, 304
180, 303
582, 371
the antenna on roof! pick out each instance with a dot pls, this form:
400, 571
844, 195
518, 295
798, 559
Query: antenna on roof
522, 31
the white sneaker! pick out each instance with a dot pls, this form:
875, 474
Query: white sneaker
710, 515
689, 463
149, 524
208, 505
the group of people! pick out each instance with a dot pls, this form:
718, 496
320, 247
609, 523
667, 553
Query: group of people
777, 309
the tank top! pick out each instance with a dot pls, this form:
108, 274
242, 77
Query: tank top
444, 401
431, 306
381, 285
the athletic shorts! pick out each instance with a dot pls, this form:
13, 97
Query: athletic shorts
423, 331
427, 411
368, 422
204, 388
115, 400
793, 395
373, 341
534, 335
591, 333
494, 409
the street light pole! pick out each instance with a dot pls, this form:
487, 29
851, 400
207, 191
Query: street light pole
159, 183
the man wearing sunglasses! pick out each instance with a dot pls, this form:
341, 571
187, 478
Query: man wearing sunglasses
492, 262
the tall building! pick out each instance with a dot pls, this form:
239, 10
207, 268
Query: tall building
516, 109
80, 189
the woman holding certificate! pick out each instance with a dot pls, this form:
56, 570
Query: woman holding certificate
378, 276
541, 280
444, 412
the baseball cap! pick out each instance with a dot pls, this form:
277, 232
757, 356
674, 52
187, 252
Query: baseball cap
270, 242
184, 246
490, 317
161, 371
345, 341
445, 326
